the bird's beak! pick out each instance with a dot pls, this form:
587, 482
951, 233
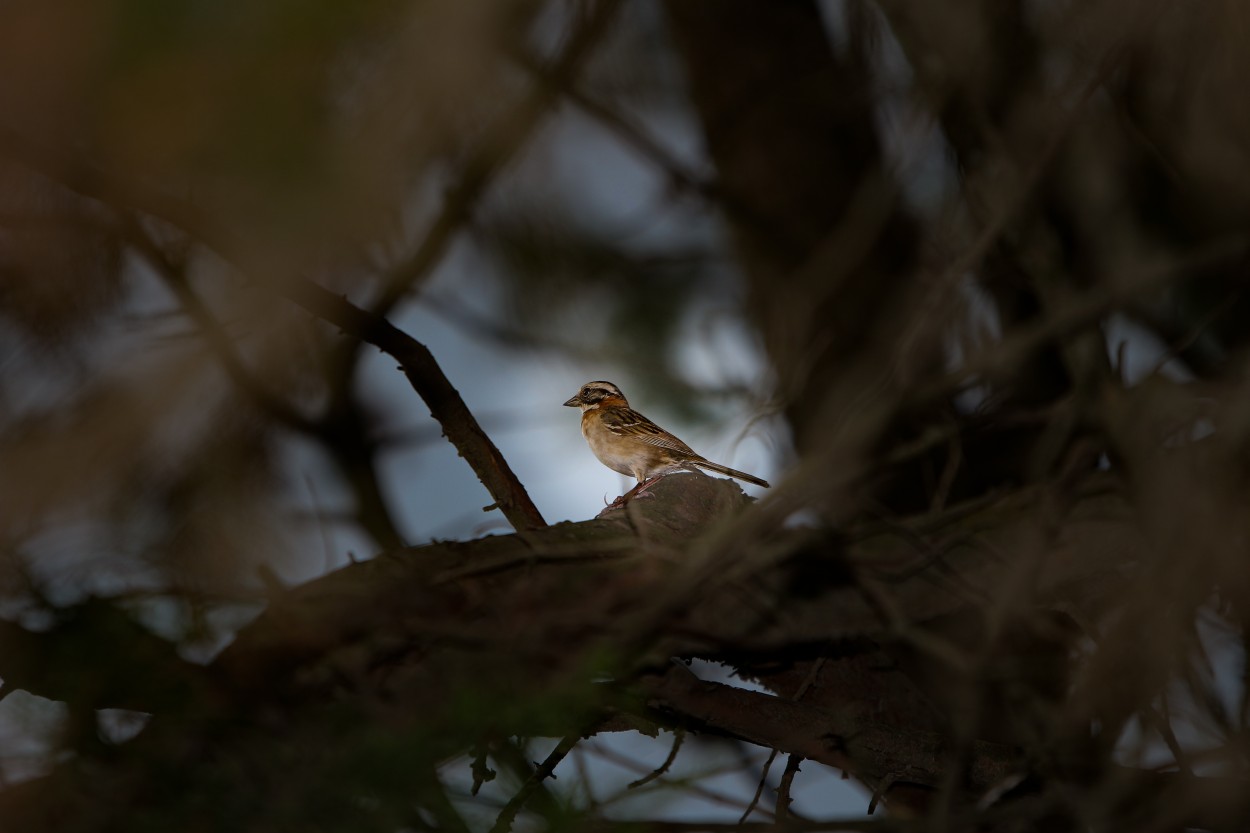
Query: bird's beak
573, 402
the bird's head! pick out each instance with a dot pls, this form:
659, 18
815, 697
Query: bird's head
593, 394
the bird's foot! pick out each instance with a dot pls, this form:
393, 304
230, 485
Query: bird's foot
636, 493
640, 491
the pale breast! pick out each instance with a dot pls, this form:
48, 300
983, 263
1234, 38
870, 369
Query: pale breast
609, 452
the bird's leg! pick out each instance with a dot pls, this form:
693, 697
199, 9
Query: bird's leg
639, 491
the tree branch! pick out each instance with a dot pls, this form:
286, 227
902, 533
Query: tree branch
503, 823
871, 750
415, 359
502, 144
428, 380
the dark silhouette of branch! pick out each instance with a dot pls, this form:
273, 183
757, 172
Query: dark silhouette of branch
999, 559
783, 789
679, 737
426, 377
503, 142
872, 751
214, 335
340, 429
415, 359
435, 625
503, 823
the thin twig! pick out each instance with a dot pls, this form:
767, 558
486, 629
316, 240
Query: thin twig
954, 459
482, 773
1191, 337
1080, 311
415, 359
782, 803
812, 674
541, 773
878, 793
759, 789
1162, 723
690, 787
630, 132
679, 735
810, 680
426, 377
214, 335
783, 789
500, 147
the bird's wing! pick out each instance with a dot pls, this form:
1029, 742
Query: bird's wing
626, 422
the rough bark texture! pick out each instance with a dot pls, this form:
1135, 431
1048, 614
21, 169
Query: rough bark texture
400, 640
1006, 547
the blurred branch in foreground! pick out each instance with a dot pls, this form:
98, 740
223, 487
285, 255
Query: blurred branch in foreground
986, 262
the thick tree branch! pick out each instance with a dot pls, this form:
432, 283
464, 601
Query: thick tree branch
403, 636
872, 751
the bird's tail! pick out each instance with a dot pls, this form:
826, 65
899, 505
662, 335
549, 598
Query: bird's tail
718, 468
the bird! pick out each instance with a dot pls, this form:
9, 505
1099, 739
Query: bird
626, 441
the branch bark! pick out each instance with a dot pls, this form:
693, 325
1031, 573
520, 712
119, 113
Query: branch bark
523, 625
435, 389
875, 752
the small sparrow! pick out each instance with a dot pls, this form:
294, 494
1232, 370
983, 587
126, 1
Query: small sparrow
626, 441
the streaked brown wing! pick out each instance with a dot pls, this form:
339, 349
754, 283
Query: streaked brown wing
627, 422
